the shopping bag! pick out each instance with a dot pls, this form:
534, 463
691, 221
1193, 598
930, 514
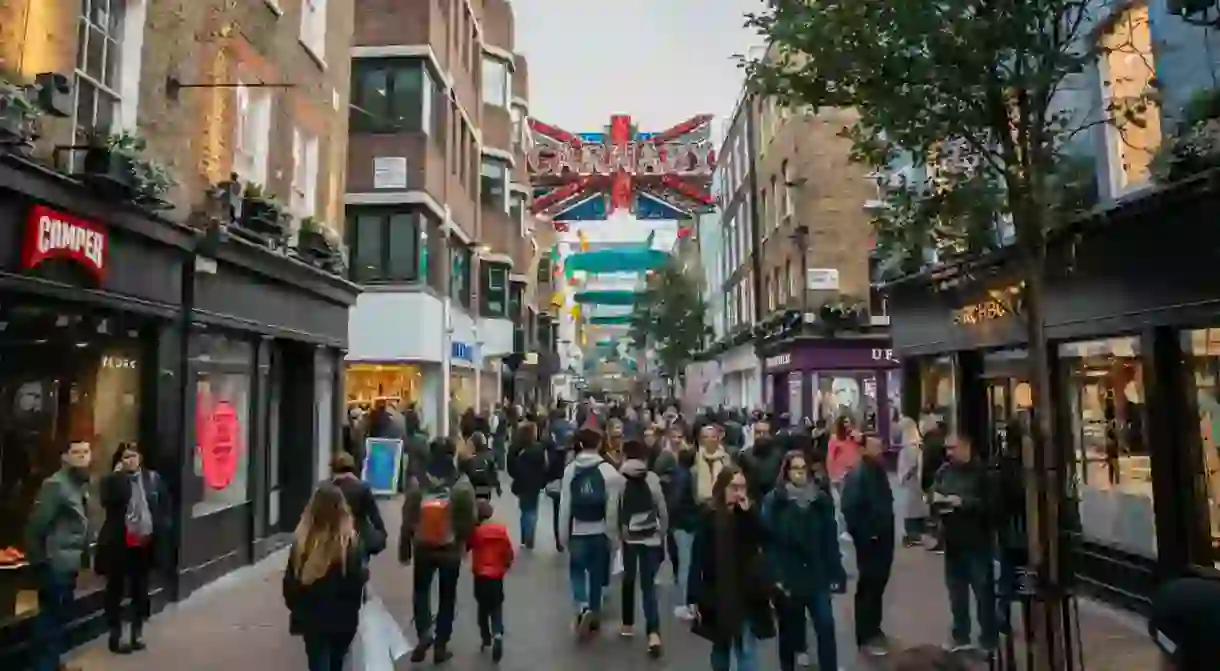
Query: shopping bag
616, 565
379, 640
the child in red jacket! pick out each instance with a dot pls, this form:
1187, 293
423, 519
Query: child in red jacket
491, 556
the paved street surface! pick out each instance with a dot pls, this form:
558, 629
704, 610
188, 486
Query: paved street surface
240, 623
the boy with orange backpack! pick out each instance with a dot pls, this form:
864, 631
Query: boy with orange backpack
438, 519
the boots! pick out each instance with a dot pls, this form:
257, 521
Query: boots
137, 636
116, 644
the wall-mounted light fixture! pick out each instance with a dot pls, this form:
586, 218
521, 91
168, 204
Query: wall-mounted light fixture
174, 86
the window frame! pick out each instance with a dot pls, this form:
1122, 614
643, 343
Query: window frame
504, 76
385, 217
487, 197
488, 272
111, 32
362, 119
252, 125
312, 34
305, 173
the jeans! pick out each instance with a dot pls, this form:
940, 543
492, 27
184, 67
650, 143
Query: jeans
792, 634
131, 579
554, 497
55, 594
874, 559
966, 572
744, 648
447, 572
671, 552
685, 540
587, 557
326, 652
489, 598
529, 519
644, 561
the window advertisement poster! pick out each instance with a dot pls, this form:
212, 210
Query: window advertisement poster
383, 464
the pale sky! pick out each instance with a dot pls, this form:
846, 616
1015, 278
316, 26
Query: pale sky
660, 61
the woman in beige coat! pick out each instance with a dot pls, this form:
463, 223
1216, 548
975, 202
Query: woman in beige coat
910, 463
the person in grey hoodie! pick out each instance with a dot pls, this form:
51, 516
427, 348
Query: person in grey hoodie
58, 537
643, 526
588, 525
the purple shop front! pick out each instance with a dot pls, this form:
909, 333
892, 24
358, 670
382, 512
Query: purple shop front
826, 379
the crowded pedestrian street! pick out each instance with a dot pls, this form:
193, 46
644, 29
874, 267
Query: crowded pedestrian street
240, 622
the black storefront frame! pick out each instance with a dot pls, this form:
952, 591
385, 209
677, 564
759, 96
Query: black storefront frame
141, 245
1115, 273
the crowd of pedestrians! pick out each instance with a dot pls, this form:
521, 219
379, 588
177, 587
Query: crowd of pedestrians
751, 513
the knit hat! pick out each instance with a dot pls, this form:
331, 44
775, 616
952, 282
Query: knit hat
1183, 621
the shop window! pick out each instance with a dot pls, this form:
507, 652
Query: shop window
847, 394
493, 183
1202, 349
938, 391
387, 246
497, 82
223, 368
494, 289
388, 95
1112, 473
65, 376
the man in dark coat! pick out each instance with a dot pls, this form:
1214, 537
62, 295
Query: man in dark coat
868, 508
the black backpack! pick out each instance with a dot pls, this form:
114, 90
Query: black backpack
638, 510
482, 472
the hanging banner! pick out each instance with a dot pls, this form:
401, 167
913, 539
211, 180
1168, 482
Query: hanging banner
383, 464
218, 441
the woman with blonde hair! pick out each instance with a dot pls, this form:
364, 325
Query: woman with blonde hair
910, 465
325, 578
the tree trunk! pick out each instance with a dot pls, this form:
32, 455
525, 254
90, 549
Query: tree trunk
1043, 463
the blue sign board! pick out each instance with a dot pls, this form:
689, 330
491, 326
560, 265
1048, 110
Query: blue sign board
462, 351
382, 464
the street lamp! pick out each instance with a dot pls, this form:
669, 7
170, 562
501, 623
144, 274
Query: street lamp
801, 237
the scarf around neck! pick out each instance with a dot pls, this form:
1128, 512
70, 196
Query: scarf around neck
801, 495
138, 519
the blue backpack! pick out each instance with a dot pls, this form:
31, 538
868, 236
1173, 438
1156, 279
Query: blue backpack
589, 494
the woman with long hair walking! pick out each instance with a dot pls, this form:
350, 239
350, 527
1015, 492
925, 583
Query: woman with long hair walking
325, 578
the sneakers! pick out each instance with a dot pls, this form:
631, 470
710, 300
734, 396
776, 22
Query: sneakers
877, 647
654, 646
497, 648
584, 622
441, 654
684, 613
626, 631
802, 659
958, 646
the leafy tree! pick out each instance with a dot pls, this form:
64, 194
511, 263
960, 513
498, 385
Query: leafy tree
976, 95
670, 318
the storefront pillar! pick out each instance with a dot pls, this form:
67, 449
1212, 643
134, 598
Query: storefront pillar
971, 395
1176, 499
260, 479
912, 389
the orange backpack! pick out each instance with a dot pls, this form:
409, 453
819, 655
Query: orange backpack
435, 528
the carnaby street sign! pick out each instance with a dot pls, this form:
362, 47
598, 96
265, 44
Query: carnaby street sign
635, 158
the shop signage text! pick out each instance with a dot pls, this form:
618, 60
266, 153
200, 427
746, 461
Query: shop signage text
778, 360
999, 304
461, 351
634, 158
884, 355
51, 234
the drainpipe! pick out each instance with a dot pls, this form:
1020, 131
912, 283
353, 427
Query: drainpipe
755, 232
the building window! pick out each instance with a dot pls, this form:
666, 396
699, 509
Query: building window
388, 95
387, 246
938, 391
313, 27
252, 134
304, 173
497, 82
1128, 71
787, 190
438, 128
516, 297
1202, 350
459, 272
518, 117
223, 368
1112, 471
494, 289
494, 183
98, 57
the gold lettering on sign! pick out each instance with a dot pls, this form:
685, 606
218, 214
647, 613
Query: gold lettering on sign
1002, 303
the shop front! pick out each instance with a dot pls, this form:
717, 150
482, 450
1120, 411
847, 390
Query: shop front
110, 335
739, 367
1131, 317
824, 379
89, 303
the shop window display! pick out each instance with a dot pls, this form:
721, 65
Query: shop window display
1112, 474
64, 376
938, 393
222, 422
368, 382
1202, 350
850, 393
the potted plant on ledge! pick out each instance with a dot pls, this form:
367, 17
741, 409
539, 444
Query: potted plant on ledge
18, 118
115, 163
318, 245
841, 313
263, 219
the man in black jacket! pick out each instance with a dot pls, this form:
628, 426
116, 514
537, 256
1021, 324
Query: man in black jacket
761, 463
868, 508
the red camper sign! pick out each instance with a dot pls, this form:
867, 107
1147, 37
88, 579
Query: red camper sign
51, 234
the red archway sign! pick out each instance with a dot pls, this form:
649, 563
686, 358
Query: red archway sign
218, 437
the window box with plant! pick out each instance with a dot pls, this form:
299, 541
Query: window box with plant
115, 163
842, 313
262, 216
18, 119
319, 245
